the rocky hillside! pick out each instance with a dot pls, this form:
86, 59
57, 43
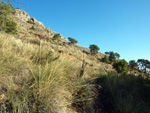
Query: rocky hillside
41, 73
29, 28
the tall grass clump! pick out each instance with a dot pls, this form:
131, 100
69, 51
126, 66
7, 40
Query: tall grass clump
123, 94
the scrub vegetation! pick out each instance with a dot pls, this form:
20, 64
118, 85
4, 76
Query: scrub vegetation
6, 23
40, 73
34, 79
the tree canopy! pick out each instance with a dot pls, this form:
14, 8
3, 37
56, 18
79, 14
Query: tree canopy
121, 66
72, 40
107, 53
144, 64
94, 49
117, 55
112, 57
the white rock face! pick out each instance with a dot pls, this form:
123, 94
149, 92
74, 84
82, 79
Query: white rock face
24, 16
40, 23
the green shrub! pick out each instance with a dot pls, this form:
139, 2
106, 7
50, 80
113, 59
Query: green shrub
121, 66
7, 24
10, 27
5, 9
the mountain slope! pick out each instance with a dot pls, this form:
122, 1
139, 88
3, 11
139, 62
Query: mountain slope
42, 74
24, 25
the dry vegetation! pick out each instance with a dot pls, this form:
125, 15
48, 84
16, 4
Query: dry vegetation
42, 75
46, 35
35, 78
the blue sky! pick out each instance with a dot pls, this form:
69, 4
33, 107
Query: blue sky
121, 26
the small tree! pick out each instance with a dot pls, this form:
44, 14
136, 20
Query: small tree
94, 49
133, 64
72, 40
121, 66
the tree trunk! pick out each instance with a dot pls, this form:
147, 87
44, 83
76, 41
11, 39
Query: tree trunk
82, 69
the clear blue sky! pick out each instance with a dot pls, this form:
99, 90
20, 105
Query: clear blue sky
121, 26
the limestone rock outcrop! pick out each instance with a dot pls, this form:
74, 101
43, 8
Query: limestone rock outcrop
24, 16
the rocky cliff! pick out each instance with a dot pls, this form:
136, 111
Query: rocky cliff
25, 24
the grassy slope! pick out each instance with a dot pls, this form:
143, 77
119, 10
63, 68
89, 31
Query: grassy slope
33, 76
36, 77
61, 45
